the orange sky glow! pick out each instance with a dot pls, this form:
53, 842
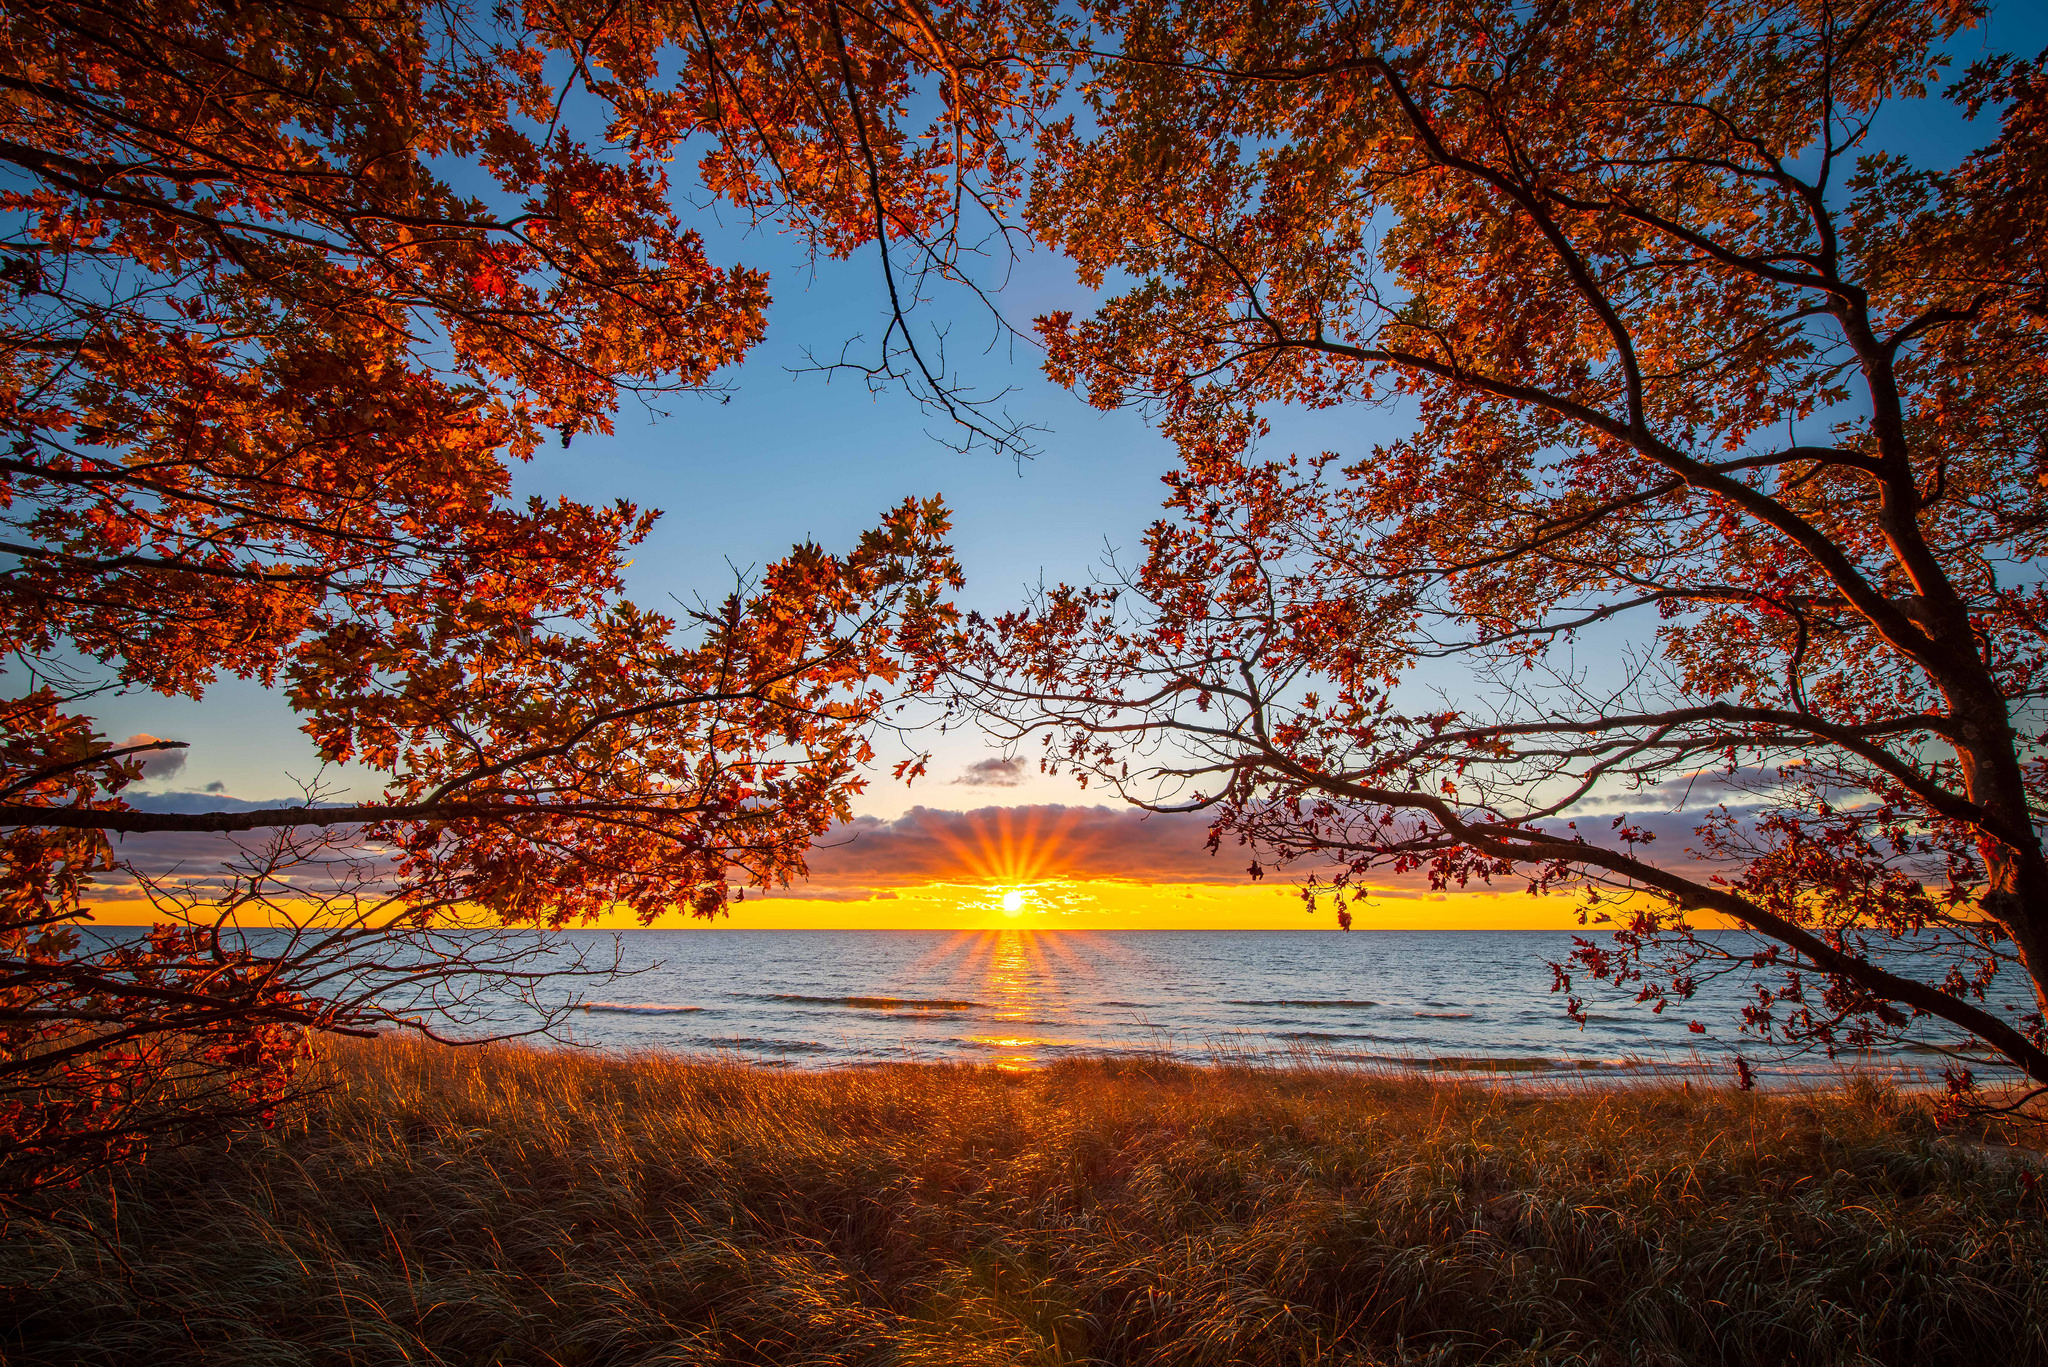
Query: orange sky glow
1074, 904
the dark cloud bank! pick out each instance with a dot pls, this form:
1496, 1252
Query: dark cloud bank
1022, 844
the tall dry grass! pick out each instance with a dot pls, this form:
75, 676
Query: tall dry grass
524, 1206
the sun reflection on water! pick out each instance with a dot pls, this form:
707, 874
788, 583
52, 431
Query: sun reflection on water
1024, 982
1021, 988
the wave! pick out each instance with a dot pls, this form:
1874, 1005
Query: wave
876, 1003
802, 1046
1444, 1015
1484, 1063
1301, 1001
1460, 1063
1010, 1046
637, 1008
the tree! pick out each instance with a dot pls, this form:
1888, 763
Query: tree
287, 287
1704, 379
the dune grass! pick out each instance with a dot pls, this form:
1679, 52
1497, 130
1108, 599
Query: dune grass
525, 1206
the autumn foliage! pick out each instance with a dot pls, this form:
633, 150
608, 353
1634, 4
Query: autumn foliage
1709, 482
287, 290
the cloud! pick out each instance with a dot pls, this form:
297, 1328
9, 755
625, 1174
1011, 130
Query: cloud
993, 773
1024, 844
194, 853
158, 763
208, 801
185, 852
1021, 845
1675, 836
809, 893
1695, 792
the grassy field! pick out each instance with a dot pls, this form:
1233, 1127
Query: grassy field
533, 1207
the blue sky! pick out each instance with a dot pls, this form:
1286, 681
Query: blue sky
787, 457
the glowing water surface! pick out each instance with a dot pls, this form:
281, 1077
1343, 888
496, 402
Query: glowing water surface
1473, 1001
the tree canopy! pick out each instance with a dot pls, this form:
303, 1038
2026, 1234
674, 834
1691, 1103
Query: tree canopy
287, 291
1723, 477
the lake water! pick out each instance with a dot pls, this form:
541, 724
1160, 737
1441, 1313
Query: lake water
1470, 1001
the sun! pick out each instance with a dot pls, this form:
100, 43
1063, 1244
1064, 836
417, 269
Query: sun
1013, 901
